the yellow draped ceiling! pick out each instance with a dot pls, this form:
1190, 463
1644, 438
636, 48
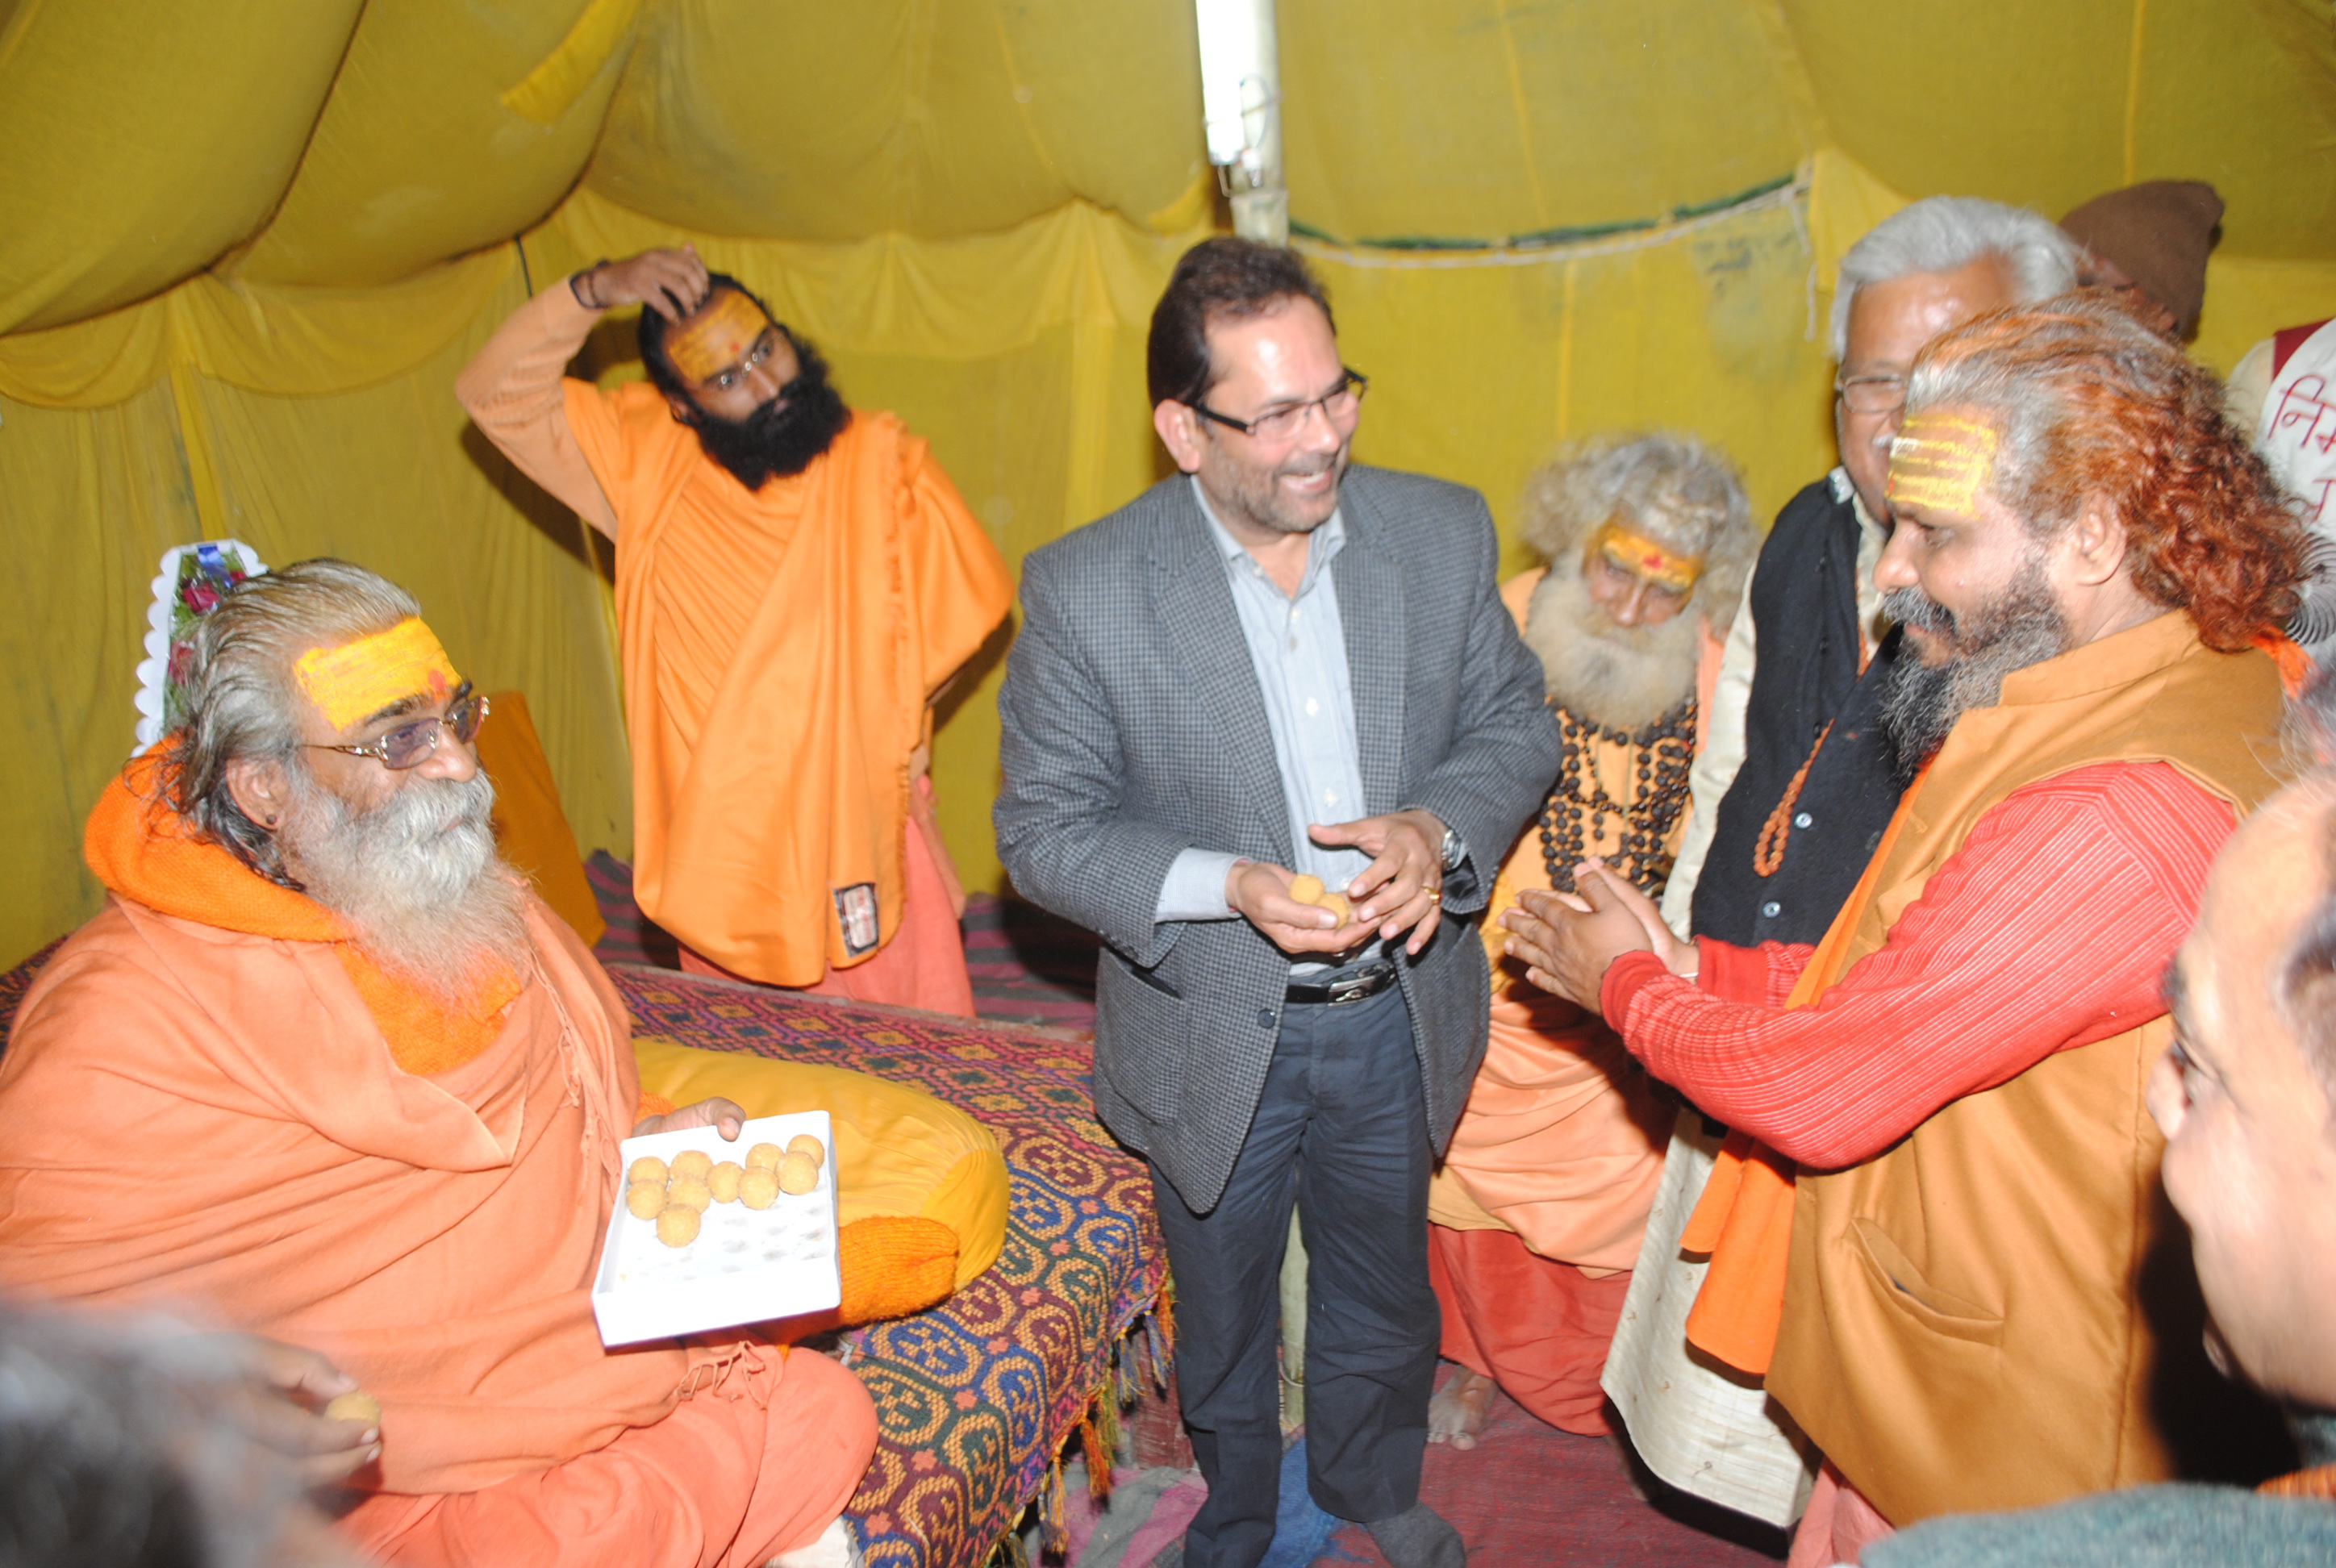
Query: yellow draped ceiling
244, 246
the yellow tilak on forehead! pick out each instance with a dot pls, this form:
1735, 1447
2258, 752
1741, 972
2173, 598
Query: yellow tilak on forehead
717, 337
1642, 558
1941, 463
363, 677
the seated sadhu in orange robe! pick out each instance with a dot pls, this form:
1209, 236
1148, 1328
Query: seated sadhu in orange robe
324, 1070
796, 582
1539, 1210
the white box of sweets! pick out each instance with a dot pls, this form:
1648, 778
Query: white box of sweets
745, 1266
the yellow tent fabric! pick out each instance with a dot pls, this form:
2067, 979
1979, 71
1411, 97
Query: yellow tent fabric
244, 248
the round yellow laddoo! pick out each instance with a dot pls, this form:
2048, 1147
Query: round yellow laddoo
721, 1181
647, 1168
643, 1199
689, 1191
357, 1405
763, 1157
677, 1225
808, 1144
1306, 888
693, 1162
798, 1173
759, 1187
1338, 905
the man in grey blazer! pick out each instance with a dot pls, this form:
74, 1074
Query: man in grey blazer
1272, 665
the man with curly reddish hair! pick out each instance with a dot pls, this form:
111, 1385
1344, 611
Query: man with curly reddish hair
1935, 1250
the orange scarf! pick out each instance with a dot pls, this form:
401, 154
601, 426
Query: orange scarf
1744, 1218
145, 855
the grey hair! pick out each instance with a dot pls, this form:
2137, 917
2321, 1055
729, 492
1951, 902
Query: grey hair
1946, 233
1674, 489
241, 700
120, 1443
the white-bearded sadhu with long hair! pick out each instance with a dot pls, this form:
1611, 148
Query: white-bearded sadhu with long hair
1538, 1209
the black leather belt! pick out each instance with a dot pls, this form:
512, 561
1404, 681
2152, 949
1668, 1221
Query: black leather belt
1367, 981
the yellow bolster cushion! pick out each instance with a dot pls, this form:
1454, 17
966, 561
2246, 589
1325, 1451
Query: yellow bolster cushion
897, 1150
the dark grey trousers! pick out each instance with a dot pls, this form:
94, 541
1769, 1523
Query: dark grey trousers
1343, 1125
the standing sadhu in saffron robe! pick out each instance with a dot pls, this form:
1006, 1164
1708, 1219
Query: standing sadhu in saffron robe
324, 1070
796, 583
1537, 1214
1936, 1251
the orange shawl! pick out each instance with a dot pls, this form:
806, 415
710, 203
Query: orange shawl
780, 646
212, 1119
142, 852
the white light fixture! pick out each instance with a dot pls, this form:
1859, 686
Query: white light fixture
1240, 102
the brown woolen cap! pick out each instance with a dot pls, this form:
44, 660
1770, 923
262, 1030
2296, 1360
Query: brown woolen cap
2158, 232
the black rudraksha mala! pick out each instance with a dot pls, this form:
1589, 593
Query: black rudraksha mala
1573, 817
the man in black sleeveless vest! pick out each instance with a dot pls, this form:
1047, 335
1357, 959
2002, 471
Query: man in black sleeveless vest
1781, 838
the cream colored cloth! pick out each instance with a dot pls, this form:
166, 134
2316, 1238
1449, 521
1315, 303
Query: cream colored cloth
1704, 1431
1722, 754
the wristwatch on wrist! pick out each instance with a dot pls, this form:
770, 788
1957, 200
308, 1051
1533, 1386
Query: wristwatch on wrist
1453, 850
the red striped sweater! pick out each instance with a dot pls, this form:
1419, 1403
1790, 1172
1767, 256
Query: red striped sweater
2051, 928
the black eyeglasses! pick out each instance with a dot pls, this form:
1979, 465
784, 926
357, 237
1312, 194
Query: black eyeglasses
1338, 406
1873, 394
412, 745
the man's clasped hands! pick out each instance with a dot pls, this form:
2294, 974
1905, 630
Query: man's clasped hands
1566, 941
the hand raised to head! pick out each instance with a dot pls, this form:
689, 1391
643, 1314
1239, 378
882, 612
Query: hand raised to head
673, 283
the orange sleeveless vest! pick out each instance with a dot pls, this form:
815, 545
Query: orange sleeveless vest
1963, 1325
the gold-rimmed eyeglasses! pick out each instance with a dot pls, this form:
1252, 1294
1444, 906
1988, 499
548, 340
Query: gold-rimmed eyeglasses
412, 745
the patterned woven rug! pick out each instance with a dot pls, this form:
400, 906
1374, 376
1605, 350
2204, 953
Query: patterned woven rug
975, 1398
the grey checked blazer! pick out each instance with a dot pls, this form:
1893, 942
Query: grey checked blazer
1134, 728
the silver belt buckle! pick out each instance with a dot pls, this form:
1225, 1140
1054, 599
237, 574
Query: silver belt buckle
1356, 987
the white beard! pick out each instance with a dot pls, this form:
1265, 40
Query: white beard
416, 880
1623, 677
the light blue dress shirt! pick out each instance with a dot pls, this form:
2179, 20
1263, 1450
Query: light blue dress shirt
1298, 648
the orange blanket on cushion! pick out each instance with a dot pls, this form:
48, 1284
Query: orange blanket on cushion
213, 1119
780, 646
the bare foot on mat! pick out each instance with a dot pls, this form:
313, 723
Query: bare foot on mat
1456, 1414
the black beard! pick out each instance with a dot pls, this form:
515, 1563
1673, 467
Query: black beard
783, 435
2023, 628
